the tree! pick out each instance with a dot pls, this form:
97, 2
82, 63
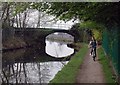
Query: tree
96, 29
104, 12
94, 15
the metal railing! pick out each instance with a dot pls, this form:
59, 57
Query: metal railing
110, 45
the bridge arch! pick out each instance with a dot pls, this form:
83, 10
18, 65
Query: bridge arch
42, 33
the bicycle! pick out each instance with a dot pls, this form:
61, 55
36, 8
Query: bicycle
93, 53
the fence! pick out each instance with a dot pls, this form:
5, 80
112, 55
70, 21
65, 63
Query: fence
110, 45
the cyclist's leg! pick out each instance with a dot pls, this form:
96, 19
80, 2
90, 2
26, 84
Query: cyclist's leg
95, 51
94, 55
91, 52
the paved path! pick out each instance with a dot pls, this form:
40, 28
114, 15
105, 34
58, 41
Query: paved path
90, 71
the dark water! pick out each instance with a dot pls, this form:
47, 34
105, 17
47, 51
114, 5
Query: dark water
35, 65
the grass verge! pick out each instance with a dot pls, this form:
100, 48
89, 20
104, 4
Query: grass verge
69, 71
106, 66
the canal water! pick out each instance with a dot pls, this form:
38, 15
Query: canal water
36, 65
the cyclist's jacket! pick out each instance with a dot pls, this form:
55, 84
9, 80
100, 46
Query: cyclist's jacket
94, 44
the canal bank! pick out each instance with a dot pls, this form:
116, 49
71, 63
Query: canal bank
81, 68
69, 71
107, 67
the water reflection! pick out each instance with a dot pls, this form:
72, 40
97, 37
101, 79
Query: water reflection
56, 44
30, 69
31, 72
58, 49
34, 65
29, 66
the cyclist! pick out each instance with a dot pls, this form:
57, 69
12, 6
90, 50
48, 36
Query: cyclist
93, 45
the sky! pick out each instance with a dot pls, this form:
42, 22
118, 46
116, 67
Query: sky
45, 22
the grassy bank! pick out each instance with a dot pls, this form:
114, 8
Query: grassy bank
69, 71
106, 66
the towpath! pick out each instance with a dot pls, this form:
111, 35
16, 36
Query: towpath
90, 71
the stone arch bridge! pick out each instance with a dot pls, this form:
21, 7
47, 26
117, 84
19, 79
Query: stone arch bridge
39, 34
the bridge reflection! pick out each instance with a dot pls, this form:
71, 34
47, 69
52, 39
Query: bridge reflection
26, 66
29, 56
30, 65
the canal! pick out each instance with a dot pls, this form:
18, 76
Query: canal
37, 64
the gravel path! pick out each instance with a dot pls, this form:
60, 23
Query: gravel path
90, 71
